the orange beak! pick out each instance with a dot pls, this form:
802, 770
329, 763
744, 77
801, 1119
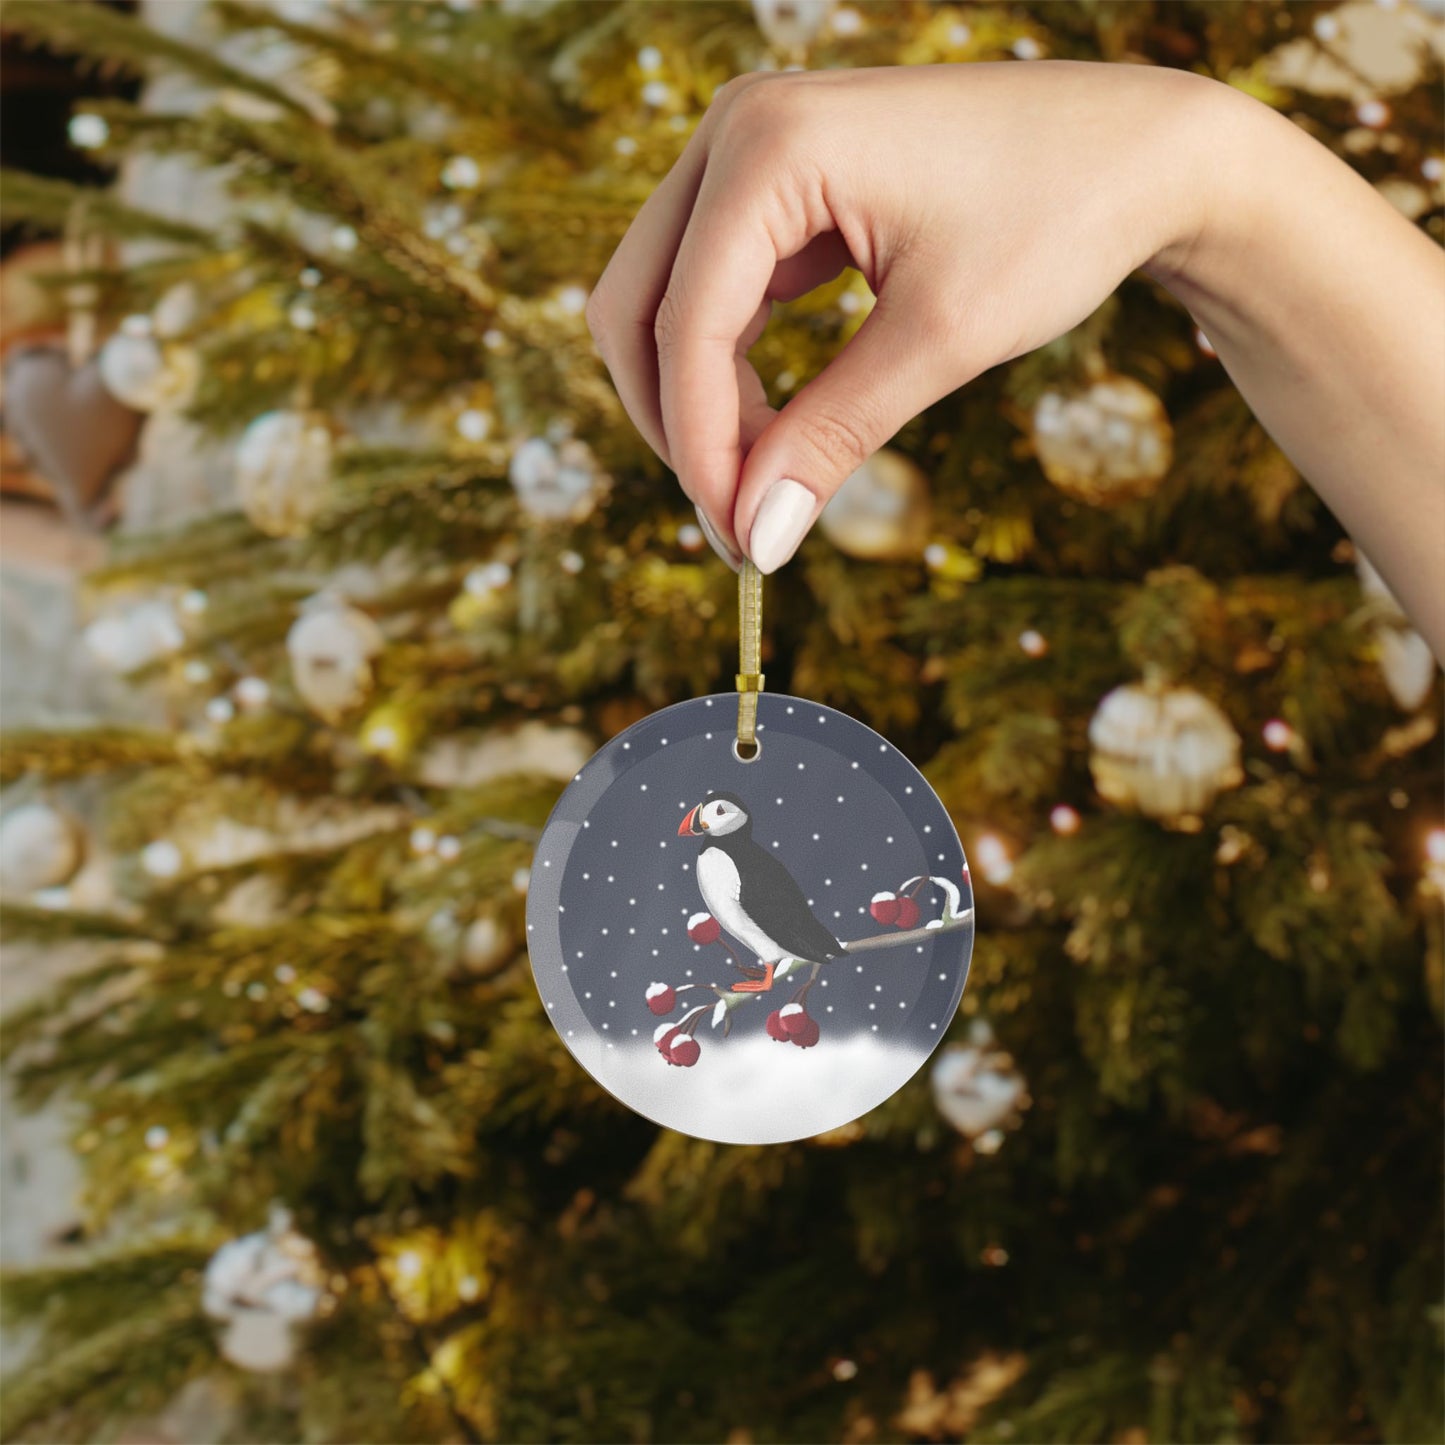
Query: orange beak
685, 827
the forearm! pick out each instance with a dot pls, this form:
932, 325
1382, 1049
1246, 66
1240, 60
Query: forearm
1327, 309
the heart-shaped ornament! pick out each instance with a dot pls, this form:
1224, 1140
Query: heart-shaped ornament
74, 431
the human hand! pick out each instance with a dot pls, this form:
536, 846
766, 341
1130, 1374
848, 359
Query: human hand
990, 208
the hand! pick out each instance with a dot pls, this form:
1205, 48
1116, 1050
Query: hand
990, 208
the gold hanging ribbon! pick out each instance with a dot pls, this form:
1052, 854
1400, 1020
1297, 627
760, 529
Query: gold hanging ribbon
750, 648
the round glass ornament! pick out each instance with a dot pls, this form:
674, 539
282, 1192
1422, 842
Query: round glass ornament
750, 951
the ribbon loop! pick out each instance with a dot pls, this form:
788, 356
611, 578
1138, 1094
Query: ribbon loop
750, 647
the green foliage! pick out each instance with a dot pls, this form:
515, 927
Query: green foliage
1220, 1219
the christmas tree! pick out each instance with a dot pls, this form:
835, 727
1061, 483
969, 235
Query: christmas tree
1176, 1173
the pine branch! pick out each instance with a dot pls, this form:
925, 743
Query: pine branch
523, 111
51, 204
82, 752
114, 39
132, 1365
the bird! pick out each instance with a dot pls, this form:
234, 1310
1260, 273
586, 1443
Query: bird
750, 893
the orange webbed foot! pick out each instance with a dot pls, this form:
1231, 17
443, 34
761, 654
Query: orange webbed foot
757, 985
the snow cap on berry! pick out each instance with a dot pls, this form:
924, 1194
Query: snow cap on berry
661, 997
703, 928
794, 1018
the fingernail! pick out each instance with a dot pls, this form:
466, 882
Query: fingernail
783, 519
716, 542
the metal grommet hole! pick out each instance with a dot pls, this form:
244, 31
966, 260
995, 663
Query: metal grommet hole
756, 751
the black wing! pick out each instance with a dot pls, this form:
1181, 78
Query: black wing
771, 898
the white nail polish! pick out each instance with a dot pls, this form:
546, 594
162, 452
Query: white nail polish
787, 511
716, 542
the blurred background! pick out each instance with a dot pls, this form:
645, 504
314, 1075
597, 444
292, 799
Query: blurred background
329, 554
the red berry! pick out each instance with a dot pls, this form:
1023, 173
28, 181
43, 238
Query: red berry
662, 1037
807, 1036
793, 1018
884, 907
775, 1027
703, 928
907, 913
661, 998
685, 1052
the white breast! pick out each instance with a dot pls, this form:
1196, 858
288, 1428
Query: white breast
721, 888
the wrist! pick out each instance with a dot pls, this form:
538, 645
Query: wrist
1220, 149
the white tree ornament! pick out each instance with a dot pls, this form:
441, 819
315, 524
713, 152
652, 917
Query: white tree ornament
261, 1287
136, 636
555, 482
1165, 751
1107, 443
283, 470
1405, 658
40, 847
976, 1086
331, 647
881, 512
486, 945
792, 25
142, 373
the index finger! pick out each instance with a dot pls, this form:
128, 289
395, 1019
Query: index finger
718, 287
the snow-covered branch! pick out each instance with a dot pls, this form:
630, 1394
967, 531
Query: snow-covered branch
791, 1023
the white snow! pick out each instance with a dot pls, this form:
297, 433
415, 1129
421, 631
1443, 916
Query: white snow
654, 989
756, 1090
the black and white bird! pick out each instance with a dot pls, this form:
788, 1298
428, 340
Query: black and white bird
750, 893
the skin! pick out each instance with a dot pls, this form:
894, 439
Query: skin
1325, 306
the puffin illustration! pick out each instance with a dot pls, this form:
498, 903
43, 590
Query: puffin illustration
750, 893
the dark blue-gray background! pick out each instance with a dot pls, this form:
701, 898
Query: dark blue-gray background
848, 815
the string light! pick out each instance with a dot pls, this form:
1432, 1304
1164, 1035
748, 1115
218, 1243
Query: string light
490, 577
993, 858
1033, 642
161, 859
1064, 820
253, 692
474, 425
423, 840
88, 132
1278, 735
1373, 113
461, 173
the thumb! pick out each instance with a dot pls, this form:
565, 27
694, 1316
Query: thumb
900, 361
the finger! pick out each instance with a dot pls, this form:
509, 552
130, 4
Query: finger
901, 361
724, 266
823, 258
754, 416
623, 304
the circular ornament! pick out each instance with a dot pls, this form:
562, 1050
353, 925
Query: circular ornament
1111, 442
706, 932
283, 471
881, 513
